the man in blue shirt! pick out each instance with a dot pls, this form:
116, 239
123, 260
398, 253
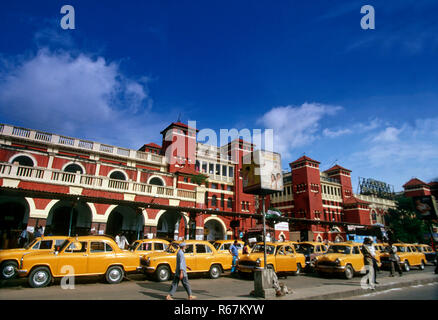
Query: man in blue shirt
235, 253
180, 274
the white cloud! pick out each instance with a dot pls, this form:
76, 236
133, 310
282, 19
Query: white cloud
390, 134
296, 126
78, 95
336, 133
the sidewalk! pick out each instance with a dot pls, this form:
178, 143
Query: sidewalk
347, 289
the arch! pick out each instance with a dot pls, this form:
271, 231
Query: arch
126, 220
66, 217
168, 224
14, 216
156, 180
373, 215
335, 229
24, 159
339, 238
319, 238
118, 174
73, 167
216, 229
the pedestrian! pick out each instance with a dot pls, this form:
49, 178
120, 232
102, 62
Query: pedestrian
37, 233
368, 262
124, 242
180, 274
394, 260
235, 254
24, 238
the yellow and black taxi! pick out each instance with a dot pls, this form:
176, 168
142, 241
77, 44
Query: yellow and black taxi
10, 258
201, 257
79, 256
280, 256
223, 246
428, 251
409, 256
144, 247
342, 258
311, 250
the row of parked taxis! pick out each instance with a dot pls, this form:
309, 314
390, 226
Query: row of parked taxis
53, 257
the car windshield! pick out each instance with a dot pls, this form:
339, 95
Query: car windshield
259, 248
63, 245
173, 247
304, 248
339, 249
133, 245
31, 244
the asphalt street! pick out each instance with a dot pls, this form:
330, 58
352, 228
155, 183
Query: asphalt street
418, 292
136, 287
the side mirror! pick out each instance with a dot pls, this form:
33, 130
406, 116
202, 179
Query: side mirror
56, 252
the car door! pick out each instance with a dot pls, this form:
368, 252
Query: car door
285, 259
190, 256
356, 258
204, 257
73, 258
101, 256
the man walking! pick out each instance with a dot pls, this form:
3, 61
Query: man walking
181, 274
235, 253
368, 262
394, 260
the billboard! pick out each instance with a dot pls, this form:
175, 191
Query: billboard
261, 172
426, 207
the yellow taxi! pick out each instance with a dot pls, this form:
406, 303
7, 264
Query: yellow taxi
344, 257
223, 246
430, 254
280, 256
409, 256
144, 247
201, 257
79, 256
311, 250
10, 258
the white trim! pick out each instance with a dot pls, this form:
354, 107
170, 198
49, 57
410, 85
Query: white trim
224, 226
35, 162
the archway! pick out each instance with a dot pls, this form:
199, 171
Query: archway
69, 218
214, 230
170, 225
339, 239
125, 220
14, 214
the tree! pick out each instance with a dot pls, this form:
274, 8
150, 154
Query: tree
199, 179
405, 223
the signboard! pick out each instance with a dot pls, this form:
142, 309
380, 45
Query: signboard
282, 226
261, 172
426, 207
377, 188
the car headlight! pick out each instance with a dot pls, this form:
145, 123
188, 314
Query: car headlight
258, 262
338, 262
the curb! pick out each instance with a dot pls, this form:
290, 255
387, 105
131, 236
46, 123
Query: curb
360, 292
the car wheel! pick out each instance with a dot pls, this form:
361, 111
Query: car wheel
40, 277
349, 272
299, 268
162, 273
114, 274
406, 266
422, 265
215, 271
8, 270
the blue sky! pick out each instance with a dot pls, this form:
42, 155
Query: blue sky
365, 99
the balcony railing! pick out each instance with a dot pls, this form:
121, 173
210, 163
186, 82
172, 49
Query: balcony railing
49, 138
57, 177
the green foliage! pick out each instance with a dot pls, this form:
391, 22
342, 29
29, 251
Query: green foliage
405, 222
199, 179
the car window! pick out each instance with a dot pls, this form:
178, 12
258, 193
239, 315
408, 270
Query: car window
289, 250
145, 246
217, 245
339, 249
76, 247
189, 248
200, 248
59, 242
97, 247
46, 244
356, 250
159, 246
318, 249
36, 246
401, 249
226, 246
108, 247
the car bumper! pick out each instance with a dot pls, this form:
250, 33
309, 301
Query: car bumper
249, 269
330, 268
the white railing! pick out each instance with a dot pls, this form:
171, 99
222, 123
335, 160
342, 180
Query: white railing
34, 135
58, 177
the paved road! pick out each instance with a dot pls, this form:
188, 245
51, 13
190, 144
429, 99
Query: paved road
135, 287
418, 292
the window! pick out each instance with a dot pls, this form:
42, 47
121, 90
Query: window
157, 181
73, 168
230, 188
97, 247
224, 171
214, 201
222, 200
206, 198
23, 161
226, 246
211, 168
201, 248
213, 186
189, 249
117, 175
46, 244
204, 167
356, 250
230, 203
218, 169
77, 247
146, 246
197, 165
230, 172
160, 246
